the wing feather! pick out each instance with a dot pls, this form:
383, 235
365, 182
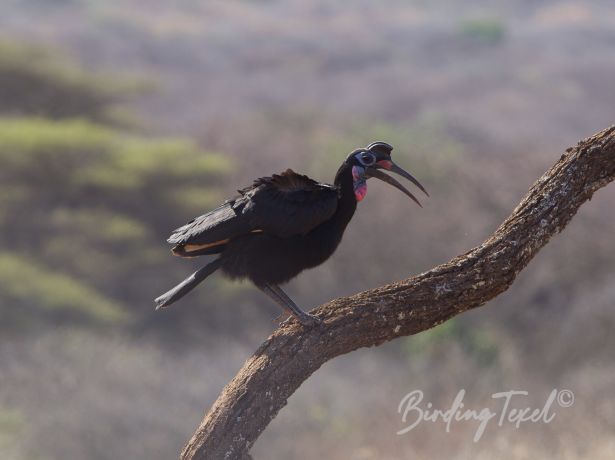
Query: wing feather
222, 223
283, 205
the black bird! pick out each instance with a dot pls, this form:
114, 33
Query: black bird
280, 226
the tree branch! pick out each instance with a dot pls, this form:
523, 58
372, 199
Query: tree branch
291, 354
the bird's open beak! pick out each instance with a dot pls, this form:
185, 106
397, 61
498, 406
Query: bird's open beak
390, 166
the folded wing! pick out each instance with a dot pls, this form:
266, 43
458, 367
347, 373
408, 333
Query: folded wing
282, 205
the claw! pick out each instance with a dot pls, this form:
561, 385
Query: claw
308, 320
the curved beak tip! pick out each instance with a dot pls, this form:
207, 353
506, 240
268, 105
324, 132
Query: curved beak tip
391, 181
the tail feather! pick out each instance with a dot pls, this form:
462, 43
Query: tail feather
187, 285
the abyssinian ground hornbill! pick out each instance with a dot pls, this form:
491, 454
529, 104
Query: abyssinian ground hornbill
280, 226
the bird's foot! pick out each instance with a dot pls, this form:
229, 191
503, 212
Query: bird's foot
282, 318
308, 320
305, 319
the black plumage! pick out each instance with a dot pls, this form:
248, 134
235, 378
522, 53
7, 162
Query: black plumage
280, 226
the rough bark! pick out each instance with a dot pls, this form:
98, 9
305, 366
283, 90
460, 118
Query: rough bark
291, 354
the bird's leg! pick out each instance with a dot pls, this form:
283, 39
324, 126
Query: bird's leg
304, 317
287, 313
280, 297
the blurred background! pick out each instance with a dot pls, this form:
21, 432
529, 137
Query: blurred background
120, 121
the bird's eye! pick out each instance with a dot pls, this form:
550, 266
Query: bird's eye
367, 159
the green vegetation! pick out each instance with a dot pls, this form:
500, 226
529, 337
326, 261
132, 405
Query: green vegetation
37, 80
23, 283
481, 345
12, 424
77, 195
488, 31
10, 421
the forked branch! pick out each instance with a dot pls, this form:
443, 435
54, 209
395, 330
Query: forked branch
291, 354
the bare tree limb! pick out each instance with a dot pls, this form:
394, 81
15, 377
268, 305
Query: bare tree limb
291, 354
